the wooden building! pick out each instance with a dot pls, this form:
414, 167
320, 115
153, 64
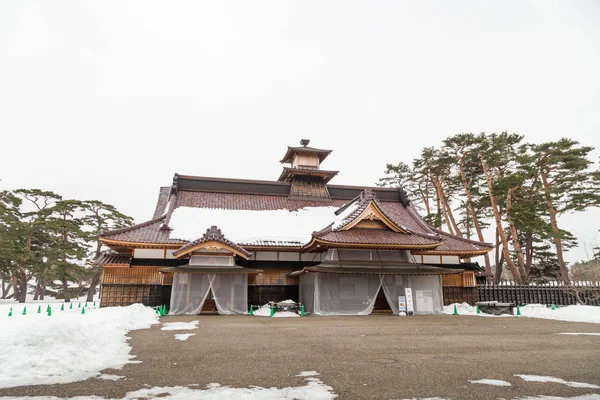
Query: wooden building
218, 243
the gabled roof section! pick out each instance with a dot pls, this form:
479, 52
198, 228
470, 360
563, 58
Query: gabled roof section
213, 235
288, 173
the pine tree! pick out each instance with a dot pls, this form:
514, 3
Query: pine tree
568, 185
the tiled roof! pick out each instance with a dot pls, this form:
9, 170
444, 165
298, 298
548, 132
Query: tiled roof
374, 236
456, 244
108, 259
147, 232
304, 149
237, 201
212, 234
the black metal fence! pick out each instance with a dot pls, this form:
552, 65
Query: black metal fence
552, 293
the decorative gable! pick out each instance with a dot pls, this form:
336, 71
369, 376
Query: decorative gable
213, 241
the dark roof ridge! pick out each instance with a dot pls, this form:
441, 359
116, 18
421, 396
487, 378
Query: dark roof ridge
475, 242
162, 201
240, 180
131, 228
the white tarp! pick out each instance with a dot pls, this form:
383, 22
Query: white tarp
349, 294
189, 293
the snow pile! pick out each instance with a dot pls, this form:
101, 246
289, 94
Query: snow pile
189, 223
339, 219
581, 333
589, 314
183, 336
180, 326
569, 313
67, 346
265, 311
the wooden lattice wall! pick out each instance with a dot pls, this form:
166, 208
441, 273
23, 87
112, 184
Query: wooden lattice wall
133, 275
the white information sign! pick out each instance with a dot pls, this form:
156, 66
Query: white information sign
402, 305
410, 309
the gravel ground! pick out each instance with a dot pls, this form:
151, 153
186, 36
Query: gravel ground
372, 357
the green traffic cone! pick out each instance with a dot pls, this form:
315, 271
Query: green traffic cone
10, 312
24, 310
79, 306
86, 304
553, 307
518, 310
94, 304
49, 311
156, 310
251, 310
62, 307
272, 311
39, 309
302, 313
455, 311
71, 306
83, 311
477, 308
48, 307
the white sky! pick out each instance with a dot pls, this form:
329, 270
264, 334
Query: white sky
106, 100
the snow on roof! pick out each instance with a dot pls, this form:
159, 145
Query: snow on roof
339, 219
247, 226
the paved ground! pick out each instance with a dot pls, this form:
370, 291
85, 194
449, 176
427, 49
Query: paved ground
374, 357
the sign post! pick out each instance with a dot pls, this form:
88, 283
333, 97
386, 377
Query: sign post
410, 309
402, 306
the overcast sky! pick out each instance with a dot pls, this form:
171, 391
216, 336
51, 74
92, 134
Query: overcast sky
107, 100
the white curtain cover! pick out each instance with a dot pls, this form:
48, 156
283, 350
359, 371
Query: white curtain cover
347, 294
189, 292
426, 292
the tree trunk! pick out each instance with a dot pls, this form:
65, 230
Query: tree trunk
471, 208
564, 272
442, 205
499, 228
528, 252
498, 276
450, 214
22, 277
93, 285
515, 238
37, 290
66, 293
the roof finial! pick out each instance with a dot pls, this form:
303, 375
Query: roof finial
304, 142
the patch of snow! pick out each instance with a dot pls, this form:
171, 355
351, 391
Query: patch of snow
581, 333
183, 336
540, 378
189, 223
179, 326
589, 314
66, 347
584, 397
493, 382
308, 373
109, 377
289, 301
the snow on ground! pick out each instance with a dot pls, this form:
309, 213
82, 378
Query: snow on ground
578, 313
581, 333
180, 326
584, 397
264, 225
183, 336
265, 311
308, 373
314, 389
66, 346
493, 382
539, 378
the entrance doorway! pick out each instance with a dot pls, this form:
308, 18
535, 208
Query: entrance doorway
381, 304
209, 307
